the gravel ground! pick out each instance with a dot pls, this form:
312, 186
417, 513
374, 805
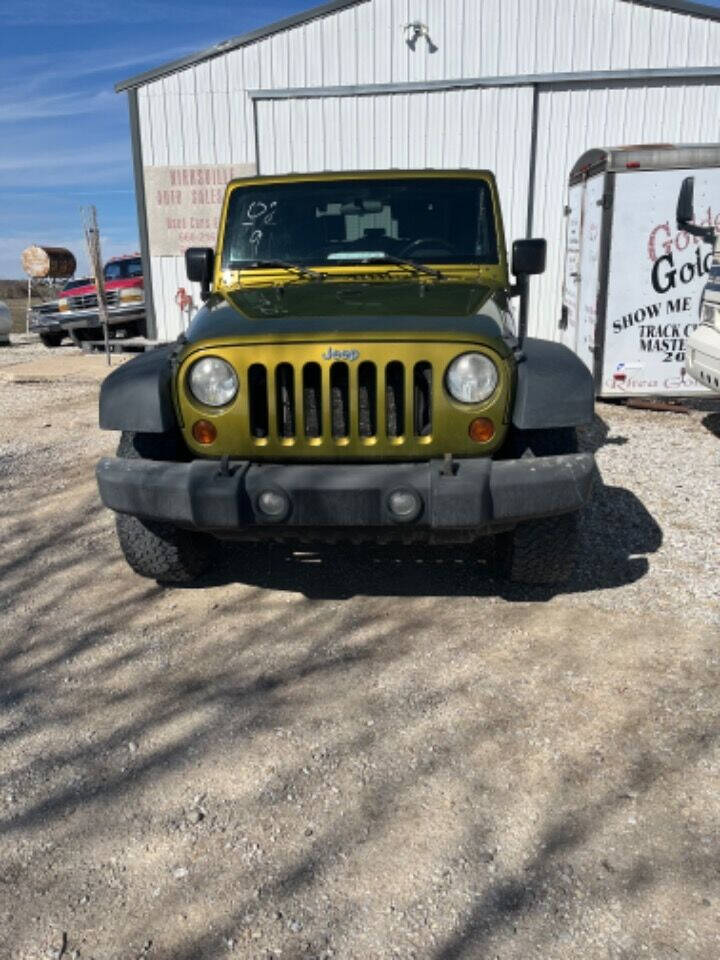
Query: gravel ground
358, 753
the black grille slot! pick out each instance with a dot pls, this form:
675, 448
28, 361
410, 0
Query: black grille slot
285, 400
258, 396
422, 391
339, 399
312, 402
395, 399
367, 399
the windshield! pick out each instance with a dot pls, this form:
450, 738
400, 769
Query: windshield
123, 269
74, 284
336, 223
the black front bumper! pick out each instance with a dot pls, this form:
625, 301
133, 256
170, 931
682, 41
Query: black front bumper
465, 495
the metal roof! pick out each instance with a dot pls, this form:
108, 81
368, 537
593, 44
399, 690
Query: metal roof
689, 7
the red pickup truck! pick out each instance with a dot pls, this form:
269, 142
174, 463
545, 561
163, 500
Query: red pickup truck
125, 291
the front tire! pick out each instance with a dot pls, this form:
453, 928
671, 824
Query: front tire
86, 334
51, 340
161, 551
540, 443
539, 552
544, 551
154, 549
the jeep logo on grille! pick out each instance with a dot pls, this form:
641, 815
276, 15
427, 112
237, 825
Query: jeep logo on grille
350, 355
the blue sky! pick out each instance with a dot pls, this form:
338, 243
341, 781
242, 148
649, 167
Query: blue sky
64, 136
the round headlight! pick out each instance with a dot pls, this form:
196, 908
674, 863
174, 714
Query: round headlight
471, 378
213, 382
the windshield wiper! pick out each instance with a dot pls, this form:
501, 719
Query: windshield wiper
293, 267
416, 268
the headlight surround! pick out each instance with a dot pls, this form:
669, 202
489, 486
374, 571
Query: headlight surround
471, 378
131, 295
213, 382
63, 305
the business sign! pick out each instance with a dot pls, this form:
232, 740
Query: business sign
184, 204
656, 278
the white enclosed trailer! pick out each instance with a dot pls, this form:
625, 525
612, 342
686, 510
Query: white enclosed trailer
633, 280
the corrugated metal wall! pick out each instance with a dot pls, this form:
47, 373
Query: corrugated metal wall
203, 114
480, 129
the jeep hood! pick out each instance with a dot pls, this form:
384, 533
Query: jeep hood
348, 308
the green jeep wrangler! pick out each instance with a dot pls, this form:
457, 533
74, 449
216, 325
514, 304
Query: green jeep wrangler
353, 375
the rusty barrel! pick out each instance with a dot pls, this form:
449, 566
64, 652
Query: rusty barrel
53, 262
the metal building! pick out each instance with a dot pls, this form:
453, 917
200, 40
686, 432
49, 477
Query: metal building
522, 87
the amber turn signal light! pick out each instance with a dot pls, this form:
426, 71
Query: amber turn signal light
204, 432
482, 430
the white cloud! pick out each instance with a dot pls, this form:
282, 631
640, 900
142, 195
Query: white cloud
35, 165
62, 105
40, 69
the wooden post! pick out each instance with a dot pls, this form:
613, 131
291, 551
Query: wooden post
92, 240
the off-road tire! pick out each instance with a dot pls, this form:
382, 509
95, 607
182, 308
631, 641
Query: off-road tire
154, 549
539, 552
152, 446
540, 443
161, 551
51, 340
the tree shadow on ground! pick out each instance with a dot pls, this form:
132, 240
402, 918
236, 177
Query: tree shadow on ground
348, 746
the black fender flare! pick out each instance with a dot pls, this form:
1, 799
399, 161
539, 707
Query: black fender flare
554, 387
138, 395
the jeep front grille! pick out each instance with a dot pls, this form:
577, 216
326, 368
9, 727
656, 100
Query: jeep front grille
345, 404
389, 402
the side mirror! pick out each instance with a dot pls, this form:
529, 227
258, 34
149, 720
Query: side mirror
686, 203
528, 257
685, 213
199, 265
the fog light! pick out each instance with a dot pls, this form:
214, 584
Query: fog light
482, 430
273, 503
404, 504
204, 432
